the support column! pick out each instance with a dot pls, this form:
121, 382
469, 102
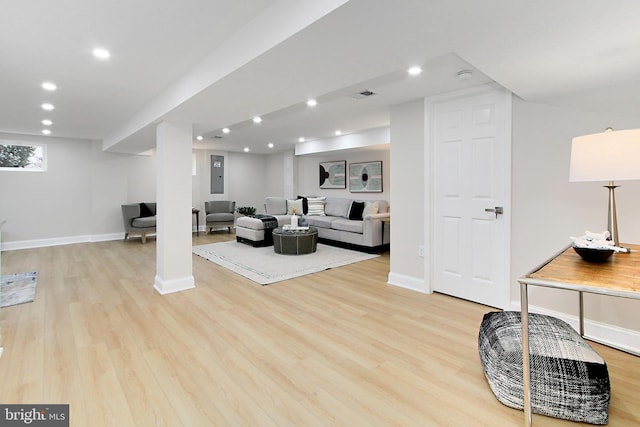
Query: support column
174, 268
290, 177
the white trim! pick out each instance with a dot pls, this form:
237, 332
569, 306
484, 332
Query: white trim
39, 243
427, 260
69, 240
107, 237
413, 283
58, 241
175, 285
604, 333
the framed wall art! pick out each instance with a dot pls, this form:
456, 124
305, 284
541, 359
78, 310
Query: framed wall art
365, 177
333, 174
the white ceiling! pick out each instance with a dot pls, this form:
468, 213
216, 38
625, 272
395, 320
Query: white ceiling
584, 54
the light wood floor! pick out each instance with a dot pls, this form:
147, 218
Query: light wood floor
337, 348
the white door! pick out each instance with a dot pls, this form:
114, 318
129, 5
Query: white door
471, 139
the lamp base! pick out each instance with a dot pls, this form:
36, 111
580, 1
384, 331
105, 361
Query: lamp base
612, 220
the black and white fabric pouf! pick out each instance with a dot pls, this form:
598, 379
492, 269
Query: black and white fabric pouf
569, 380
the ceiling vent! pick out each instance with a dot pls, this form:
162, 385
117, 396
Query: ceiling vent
218, 136
363, 94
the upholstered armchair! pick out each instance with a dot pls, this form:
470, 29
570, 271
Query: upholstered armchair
138, 222
220, 213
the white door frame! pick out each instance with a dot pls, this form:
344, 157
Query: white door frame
429, 163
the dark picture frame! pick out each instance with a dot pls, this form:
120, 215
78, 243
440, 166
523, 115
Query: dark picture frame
333, 174
365, 177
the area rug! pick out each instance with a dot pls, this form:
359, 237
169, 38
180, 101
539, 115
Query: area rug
18, 288
264, 266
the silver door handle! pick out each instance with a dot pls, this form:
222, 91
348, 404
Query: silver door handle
498, 210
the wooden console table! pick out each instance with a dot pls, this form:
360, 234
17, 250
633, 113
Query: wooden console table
619, 276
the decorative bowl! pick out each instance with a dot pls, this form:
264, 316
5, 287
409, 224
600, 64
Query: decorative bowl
593, 254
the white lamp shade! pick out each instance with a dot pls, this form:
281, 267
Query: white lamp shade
606, 156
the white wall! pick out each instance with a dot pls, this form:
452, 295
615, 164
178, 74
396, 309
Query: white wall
117, 179
139, 173
29, 205
77, 198
408, 214
547, 208
309, 180
247, 179
201, 181
275, 182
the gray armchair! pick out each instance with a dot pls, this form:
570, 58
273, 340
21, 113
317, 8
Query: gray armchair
136, 224
220, 213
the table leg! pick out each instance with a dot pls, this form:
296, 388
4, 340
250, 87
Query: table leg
526, 369
581, 314
198, 224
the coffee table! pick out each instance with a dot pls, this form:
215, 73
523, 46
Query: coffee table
295, 242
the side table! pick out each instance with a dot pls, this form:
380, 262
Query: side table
619, 277
196, 212
385, 220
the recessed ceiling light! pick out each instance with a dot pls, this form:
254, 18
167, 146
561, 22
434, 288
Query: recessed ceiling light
312, 103
271, 145
338, 132
414, 71
47, 122
246, 149
47, 106
257, 119
301, 139
46, 131
101, 53
49, 86
226, 130
199, 137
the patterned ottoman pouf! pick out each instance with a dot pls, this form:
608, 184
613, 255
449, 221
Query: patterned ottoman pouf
569, 379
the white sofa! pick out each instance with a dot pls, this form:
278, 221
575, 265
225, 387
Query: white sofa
334, 225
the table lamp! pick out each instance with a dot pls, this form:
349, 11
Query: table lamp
608, 156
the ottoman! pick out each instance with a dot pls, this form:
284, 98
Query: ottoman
569, 379
255, 230
301, 242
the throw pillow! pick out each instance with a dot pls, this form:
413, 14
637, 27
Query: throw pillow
370, 208
145, 211
294, 204
316, 206
305, 204
355, 212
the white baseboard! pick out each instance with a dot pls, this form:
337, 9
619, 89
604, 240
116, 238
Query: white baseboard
40, 243
409, 282
175, 285
107, 237
604, 333
57, 241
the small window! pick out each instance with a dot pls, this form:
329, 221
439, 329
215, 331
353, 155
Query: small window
22, 156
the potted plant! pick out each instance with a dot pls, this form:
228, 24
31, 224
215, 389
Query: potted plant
246, 210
